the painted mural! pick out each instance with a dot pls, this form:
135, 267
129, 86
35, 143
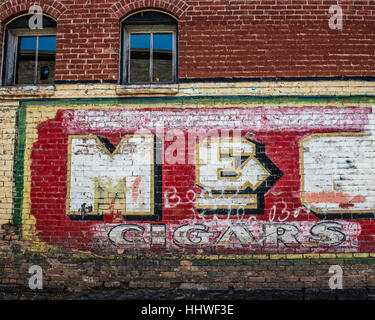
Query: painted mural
238, 178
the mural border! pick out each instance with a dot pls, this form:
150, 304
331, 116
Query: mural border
22, 165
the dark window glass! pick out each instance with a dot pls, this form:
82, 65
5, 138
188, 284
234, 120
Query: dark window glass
140, 58
162, 57
36, 60
25, 68
46, 59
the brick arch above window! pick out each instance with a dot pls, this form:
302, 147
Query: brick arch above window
176, 7
12, 8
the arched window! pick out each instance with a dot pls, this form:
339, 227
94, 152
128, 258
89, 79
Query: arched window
149, 48
29, 54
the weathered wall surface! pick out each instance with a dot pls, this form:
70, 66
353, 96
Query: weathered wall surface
240, 178
128, 186
171, 274
7, 143
241, 39
126, 181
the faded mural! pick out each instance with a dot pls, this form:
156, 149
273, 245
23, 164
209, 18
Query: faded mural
234, 179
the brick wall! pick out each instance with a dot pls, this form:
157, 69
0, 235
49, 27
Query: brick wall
121, 176
84, 190
311, 206
7, 142
239, 39
197, 277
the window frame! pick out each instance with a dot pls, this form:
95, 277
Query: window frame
147, 29
11, 50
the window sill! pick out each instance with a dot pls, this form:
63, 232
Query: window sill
27, 90
147, 89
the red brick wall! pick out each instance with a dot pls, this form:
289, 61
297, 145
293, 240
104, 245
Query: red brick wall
268, 38
230, 39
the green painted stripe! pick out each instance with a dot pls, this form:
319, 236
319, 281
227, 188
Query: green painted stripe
19, 163
186, 101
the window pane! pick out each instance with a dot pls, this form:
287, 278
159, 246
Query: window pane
162, 57
25, 67
139, 58
46, 59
